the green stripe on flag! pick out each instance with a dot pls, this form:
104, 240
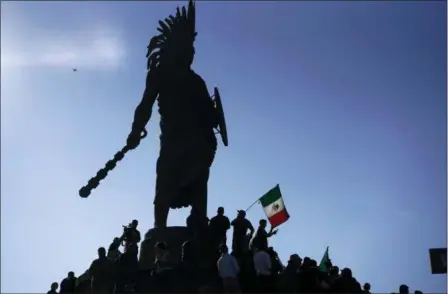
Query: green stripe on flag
271, 196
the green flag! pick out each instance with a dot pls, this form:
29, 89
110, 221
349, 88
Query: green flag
323, 265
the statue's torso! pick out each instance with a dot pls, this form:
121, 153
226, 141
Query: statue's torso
185, 107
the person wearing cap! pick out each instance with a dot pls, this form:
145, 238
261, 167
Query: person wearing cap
240, 240
228, 269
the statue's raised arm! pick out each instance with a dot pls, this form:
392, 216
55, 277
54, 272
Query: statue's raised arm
144, 109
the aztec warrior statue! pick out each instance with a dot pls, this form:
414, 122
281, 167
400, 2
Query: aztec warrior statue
188, 118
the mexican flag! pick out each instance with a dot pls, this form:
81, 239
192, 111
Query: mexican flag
274, 207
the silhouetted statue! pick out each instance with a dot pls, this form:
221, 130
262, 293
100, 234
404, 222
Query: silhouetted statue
188, 117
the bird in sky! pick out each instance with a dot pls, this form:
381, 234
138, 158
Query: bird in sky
74, 69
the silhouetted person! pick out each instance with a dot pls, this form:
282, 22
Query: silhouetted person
101, 273
346, 283
308, 276
131, 237
240, 240
333, 275
306, 263
404, 289
128, 260
260, 240
196, 223
68, 284
287, 282
219, 225
418, 292
53, 288
228, 269
366, 288
83, 283
114, 249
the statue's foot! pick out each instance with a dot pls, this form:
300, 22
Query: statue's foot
159, 226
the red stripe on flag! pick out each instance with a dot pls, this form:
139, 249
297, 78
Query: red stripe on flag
279, 218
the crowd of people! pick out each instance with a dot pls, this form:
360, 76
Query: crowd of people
207, 265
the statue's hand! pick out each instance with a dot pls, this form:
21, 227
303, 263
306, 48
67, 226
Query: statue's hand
135, 137
133, 140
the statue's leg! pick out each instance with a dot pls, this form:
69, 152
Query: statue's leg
164, 190
160, 215
199, 190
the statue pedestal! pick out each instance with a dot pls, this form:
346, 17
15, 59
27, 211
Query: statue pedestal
174, 237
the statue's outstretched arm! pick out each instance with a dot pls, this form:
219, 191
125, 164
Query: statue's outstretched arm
144, 109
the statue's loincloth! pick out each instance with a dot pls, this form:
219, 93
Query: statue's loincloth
181, 164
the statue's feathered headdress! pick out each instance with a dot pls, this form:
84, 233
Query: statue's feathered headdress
175, 33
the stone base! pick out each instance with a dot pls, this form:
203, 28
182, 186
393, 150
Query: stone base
174, 237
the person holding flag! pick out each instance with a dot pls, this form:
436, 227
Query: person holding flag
260, 240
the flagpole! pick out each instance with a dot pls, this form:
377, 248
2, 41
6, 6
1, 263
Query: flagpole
256, 201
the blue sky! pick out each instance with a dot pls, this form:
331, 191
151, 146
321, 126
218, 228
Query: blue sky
342, 104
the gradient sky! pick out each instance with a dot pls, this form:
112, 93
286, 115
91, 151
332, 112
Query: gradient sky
342, 104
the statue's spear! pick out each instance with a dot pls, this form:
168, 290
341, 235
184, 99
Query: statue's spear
85, 191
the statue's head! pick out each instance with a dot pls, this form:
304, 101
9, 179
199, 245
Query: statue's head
174, 46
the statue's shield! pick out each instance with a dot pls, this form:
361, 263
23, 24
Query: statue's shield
222, 127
